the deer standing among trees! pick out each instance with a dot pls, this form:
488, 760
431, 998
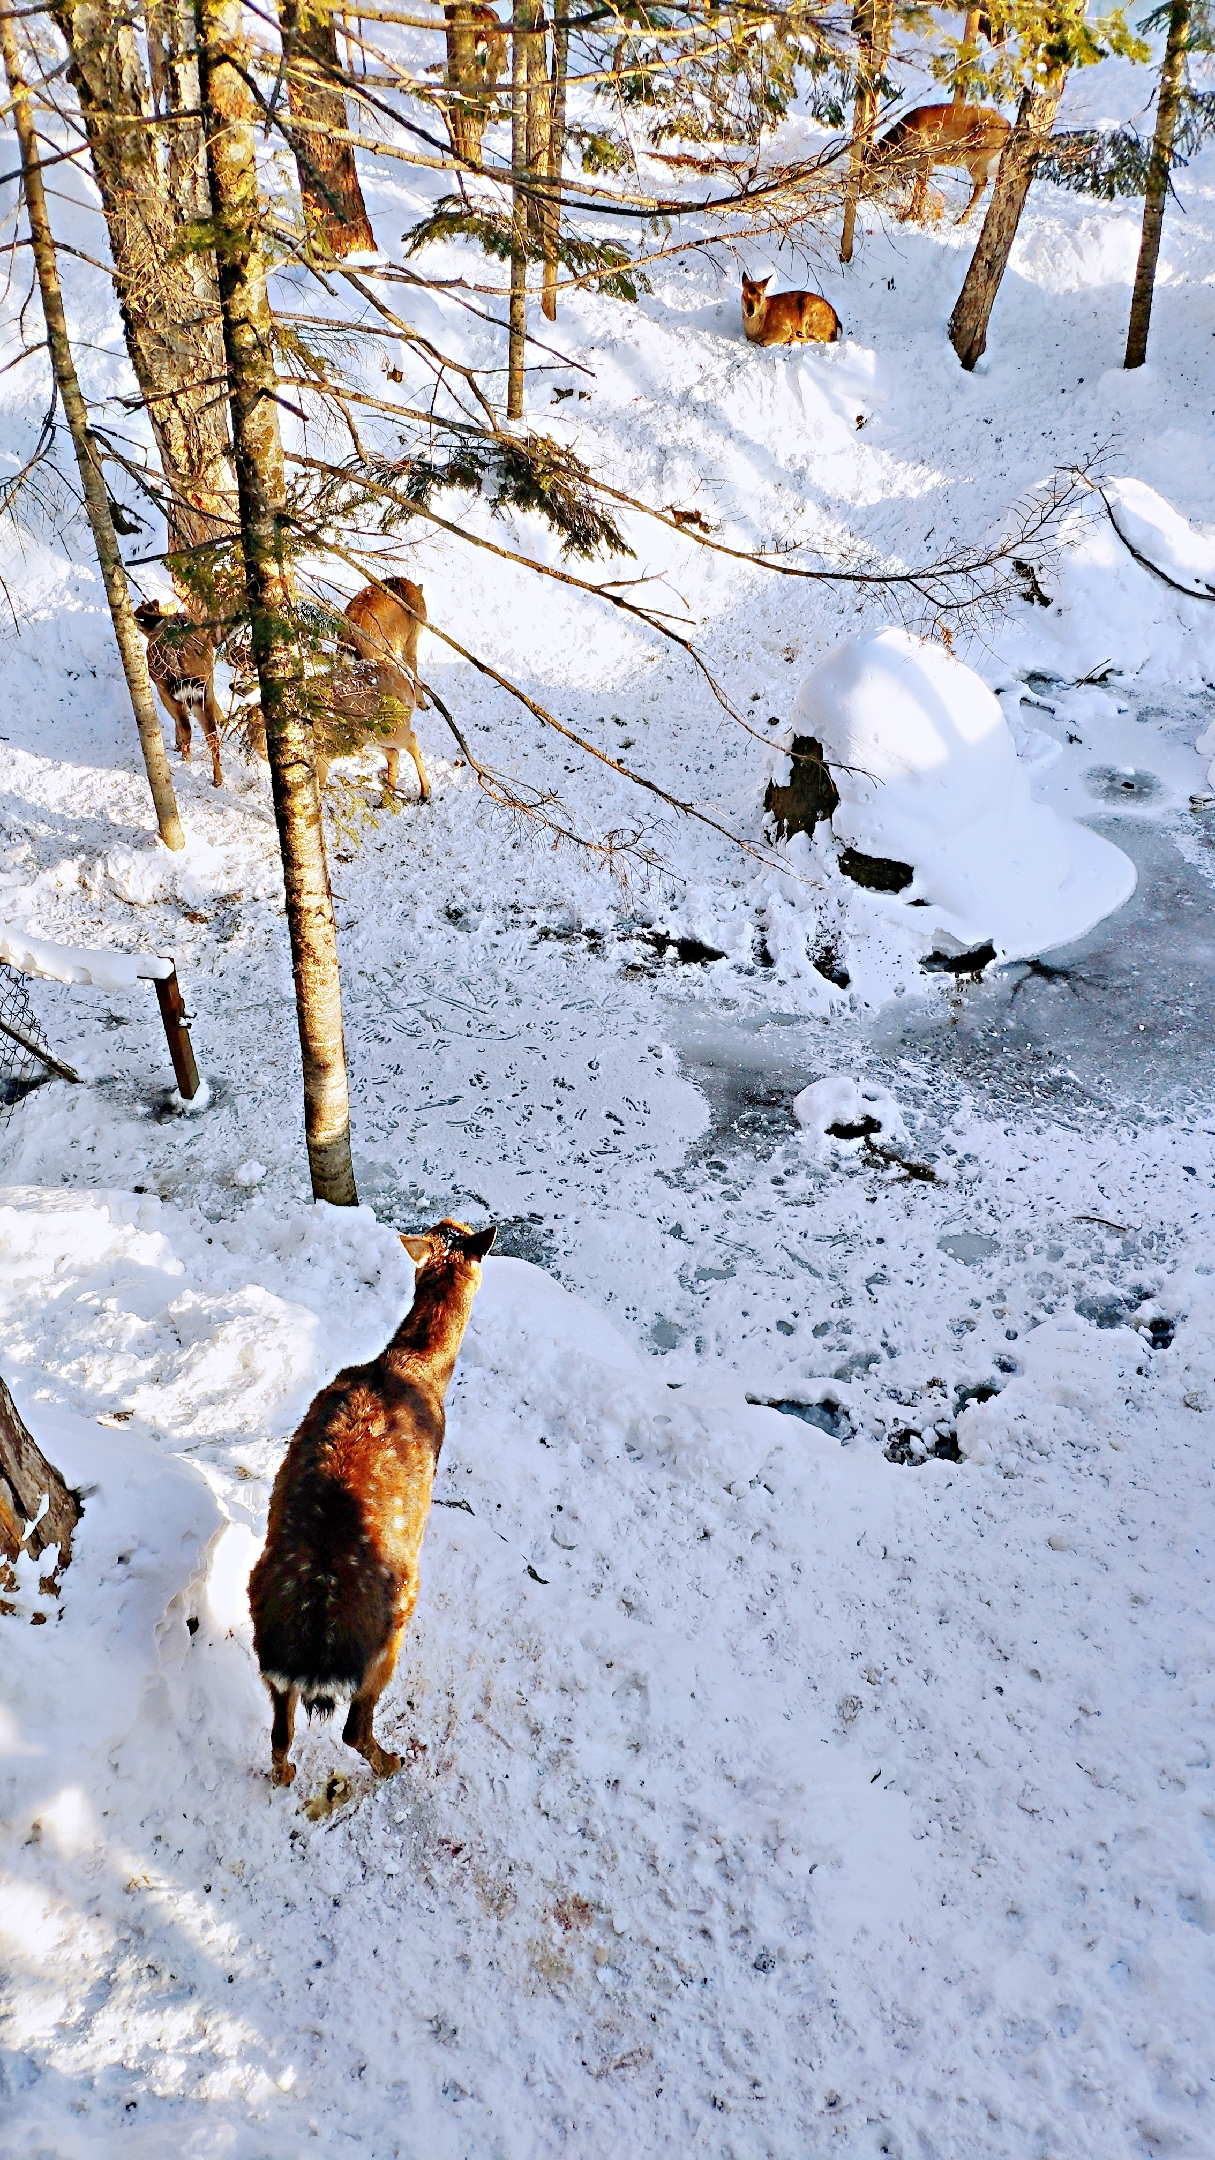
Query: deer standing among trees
333, 1591
374, 700
181, 663
791, 318
932, 135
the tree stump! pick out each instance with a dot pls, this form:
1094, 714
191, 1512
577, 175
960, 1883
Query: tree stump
37, 1510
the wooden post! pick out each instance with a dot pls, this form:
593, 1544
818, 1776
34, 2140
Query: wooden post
88, 459
177, 1034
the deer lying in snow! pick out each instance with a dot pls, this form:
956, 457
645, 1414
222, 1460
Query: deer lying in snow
181, 663
788, 318
333, 1591
932, 135
374, 697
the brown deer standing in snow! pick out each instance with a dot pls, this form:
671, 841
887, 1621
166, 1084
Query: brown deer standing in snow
374, 697
932, 135
332, 1594
181, 663
788, 318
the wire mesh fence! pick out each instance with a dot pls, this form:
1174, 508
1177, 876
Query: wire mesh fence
22, 1044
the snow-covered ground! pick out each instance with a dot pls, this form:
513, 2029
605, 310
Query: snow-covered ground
770, 1788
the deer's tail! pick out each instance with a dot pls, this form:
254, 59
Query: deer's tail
322, 1601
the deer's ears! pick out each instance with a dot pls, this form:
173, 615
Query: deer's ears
450, 1237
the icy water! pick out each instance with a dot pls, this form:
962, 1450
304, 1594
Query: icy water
1052, 1104
1117, 1022
621, 1105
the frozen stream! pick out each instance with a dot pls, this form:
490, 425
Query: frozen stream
625, 1112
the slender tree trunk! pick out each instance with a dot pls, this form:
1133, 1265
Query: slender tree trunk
37, 1510
968, 55
522, 20
556, 162
227, 111
1168, 99
465, 121
539, 116
126, 630
334, 210
871, 28
167, 294
1030, 131
476, 53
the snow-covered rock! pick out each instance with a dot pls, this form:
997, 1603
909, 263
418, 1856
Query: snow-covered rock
928, 774
839, 1100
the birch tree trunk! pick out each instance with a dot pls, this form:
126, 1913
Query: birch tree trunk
1168, 99
556, 163
248, 331
334, 210
1030, 131
522, 20
871, 26
476, 55
167, 294
131, 649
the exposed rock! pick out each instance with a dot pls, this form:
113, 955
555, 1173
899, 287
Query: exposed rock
811, 794
878, 873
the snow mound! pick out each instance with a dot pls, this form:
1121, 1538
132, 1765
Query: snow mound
1151, 526
838, 1104
1113, 595
140, 1561
928, 775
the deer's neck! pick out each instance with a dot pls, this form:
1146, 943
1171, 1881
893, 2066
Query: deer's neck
427, 1343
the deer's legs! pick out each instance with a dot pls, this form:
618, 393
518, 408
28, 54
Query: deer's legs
919, 193
179, 714
394, 769
977, 184
282, 1770
357, 1732
210, 728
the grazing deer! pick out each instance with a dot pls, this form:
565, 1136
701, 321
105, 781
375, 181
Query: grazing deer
374, 700
369, 702
181, 663
788, 318
333, 1591
932, 135
386, 622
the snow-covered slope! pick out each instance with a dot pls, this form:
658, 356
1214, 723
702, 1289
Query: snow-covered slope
776, 1784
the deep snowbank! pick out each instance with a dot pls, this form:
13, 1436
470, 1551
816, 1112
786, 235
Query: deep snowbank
928, 776
715, 1729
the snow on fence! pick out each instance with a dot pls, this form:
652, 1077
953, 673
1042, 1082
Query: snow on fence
21, 1040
